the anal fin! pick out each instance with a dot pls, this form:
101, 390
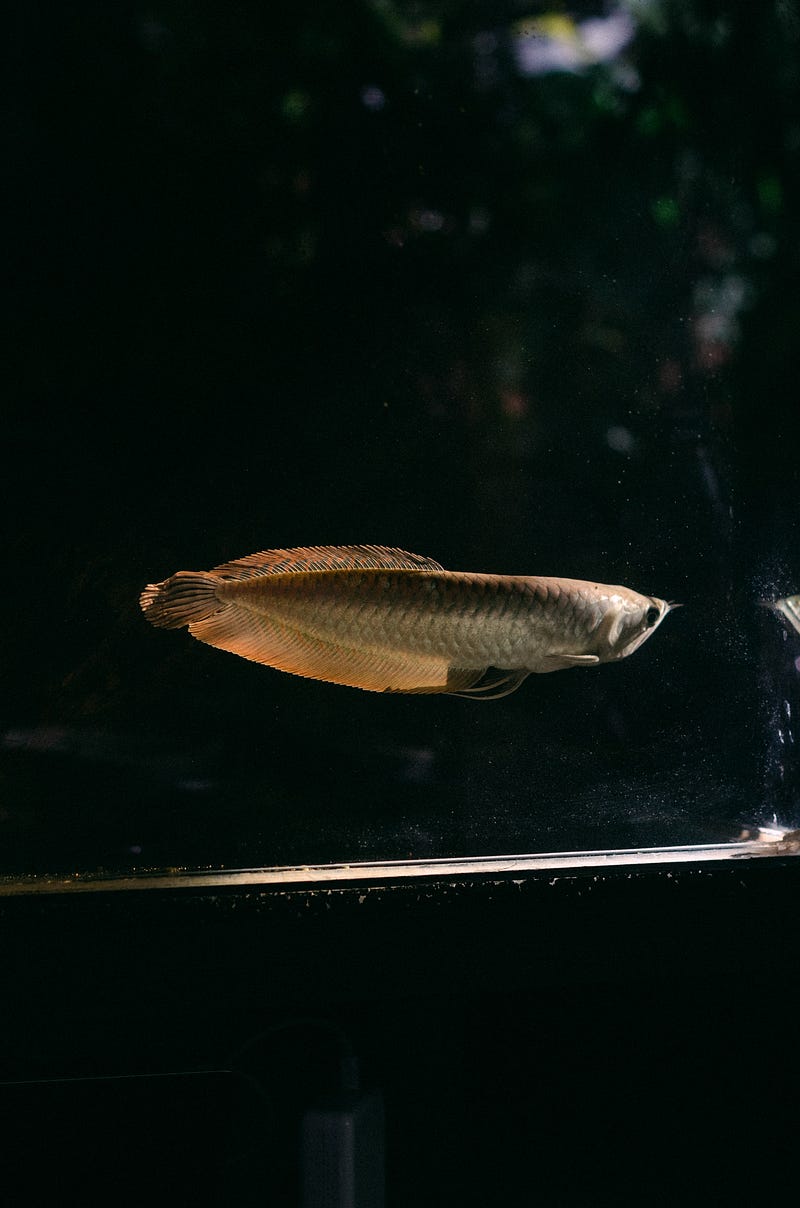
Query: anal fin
267, 640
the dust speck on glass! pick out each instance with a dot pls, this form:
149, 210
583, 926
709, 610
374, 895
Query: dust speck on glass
419, 360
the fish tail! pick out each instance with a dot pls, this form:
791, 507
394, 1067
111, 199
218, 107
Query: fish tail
184, 599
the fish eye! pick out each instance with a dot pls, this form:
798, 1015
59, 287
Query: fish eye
651, 616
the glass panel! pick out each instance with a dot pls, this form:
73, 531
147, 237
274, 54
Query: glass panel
511, 288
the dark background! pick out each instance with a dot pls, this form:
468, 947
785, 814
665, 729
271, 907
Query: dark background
618, 1038
327, 273
339, 272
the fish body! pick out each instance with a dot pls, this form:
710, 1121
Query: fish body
386, 620
789, 606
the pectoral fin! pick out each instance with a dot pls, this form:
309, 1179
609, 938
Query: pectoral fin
556, 662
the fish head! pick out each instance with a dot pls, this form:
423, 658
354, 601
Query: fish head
637, 620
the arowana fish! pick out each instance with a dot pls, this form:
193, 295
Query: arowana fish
790, 607
389, 621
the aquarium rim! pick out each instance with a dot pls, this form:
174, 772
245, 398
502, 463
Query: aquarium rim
763, 842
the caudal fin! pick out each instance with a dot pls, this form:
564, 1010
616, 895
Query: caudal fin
183, 599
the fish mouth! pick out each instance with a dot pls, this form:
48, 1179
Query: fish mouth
671, 605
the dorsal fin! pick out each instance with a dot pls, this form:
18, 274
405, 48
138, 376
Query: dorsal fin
321, 558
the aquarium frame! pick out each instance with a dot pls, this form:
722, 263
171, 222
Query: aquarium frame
759, 843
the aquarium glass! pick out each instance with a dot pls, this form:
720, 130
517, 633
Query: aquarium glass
509, 286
